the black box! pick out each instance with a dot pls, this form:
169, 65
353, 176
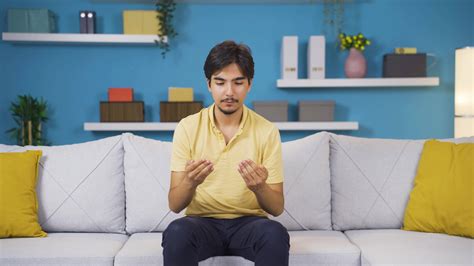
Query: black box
122, 111
83, 21
91, 22
404, 65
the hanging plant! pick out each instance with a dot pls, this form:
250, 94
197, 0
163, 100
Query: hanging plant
29, 113
333, 11
165, 9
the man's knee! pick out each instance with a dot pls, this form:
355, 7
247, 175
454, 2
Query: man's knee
178, 240
274, 231
178, 231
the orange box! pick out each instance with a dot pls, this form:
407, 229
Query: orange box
120, 94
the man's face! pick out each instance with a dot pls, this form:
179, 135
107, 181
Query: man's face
229, 88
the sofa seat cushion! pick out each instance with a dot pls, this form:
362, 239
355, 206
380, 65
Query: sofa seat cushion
395, 246
145, 249
62, 249
307, 248
322, 248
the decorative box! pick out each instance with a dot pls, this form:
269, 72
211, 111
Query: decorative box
317, 57
289, 57
175, 111
141, 22
404, 65
120, 94
180, 94
31, 20
275, 111
316, 110
91, 22
122, 111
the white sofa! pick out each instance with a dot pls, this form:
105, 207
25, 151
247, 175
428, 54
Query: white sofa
104, 202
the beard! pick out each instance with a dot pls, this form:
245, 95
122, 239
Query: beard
228, 112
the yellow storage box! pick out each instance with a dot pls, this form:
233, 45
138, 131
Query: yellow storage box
180, 94
141, 22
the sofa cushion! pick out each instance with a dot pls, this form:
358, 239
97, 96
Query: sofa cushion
145, 249
371, 180
147, 181
18, 200
322, 248
306, 248
80, 187
442, 198
62, 249
399, 247
307, 186
147, 174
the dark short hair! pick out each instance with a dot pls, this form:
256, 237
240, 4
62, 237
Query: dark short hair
226, 53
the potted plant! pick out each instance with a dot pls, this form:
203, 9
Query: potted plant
165, 10
355, 65
29, 113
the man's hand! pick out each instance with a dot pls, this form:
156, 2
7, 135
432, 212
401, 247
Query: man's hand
254, 175
197, 171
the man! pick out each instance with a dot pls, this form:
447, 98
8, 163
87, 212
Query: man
227, 171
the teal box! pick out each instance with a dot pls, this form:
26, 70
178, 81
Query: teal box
31, 20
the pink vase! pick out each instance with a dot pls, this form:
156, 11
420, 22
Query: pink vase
356, 65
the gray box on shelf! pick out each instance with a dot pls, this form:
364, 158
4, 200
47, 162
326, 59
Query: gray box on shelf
316, 111
275, 111
404, 65
31, 20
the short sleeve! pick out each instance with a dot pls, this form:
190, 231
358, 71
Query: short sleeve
181, 150
272, 157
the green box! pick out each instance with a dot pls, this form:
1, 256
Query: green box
31, 20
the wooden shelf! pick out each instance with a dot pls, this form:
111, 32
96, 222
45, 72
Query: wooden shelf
75, 38
364, 82
168, 126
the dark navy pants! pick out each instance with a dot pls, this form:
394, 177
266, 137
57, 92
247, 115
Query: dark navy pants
190, 239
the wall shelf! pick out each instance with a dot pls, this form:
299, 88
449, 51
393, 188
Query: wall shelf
76, 38
170, 126
364, 82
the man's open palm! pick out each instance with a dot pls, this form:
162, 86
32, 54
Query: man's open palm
197, 171
254, 175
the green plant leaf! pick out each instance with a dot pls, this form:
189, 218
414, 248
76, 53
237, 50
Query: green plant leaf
165, 10
28, 108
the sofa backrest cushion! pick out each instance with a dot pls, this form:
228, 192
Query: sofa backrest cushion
147, 181
371, 180
81, 186
307, 188
307, 183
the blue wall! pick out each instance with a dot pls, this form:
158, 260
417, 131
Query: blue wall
74, 78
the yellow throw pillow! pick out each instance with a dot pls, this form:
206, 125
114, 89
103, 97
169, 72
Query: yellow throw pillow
442, 198
18, 202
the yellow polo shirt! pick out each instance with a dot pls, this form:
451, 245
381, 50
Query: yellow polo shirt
223, 194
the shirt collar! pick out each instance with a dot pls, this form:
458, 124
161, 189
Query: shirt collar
242, 122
